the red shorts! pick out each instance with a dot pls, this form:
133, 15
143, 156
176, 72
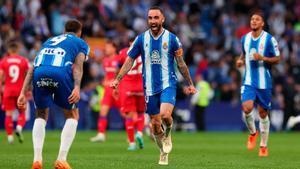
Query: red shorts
9, 103
132, 101
108, 98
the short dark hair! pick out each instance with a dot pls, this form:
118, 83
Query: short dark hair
13, 45
157, 8
257, 12
73, 25
112, 42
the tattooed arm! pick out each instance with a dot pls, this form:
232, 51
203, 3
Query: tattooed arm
26, 86
184, 70
77, 76
124, 70
186, 74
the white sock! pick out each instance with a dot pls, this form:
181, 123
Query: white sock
67, 136
139, 133
158, 139
38, 136
19, 128
167, 128
250, 123
264, 126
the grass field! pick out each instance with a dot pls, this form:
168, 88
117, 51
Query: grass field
191, 151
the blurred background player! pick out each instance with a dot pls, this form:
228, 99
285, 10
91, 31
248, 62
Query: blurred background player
201, 101
110, 98
13, 68
132, 100
56, 77
259, 52
159, 49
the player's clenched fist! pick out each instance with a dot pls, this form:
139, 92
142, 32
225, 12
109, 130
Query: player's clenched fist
190, 90
114, 84
22, 102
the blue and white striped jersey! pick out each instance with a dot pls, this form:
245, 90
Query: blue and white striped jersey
61, 51
258, 73
158, 55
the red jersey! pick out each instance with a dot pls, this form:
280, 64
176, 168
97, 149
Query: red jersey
110, 66
133, 80
14, 68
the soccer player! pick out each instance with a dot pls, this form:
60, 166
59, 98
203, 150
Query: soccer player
110, 98
158, 48
132, 101
13, 68
259, 52
56, 77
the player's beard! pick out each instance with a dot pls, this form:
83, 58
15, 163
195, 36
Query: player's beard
155, 28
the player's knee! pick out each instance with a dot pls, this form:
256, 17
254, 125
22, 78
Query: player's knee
247, 108
263, 114
42, 113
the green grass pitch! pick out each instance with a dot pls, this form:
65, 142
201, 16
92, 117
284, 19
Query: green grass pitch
210, 150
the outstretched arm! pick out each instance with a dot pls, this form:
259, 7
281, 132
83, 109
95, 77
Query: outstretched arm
77, 76
124, 70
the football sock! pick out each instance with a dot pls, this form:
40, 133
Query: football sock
67, 136
129, 124
38, 136
168, 123
21, 119
102, 124
140, 123
9, 126
158, 139
249, 120
264, 126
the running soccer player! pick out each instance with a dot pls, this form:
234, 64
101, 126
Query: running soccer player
56, 77
110, 98
159, 49
259, 52
132, 100
13, 68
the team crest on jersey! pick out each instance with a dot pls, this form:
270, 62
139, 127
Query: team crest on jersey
165, 46
155, 58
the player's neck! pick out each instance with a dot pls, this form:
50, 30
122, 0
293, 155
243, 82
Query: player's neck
157, 34
256, 33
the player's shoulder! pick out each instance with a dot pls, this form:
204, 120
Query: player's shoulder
123, 51
246, 35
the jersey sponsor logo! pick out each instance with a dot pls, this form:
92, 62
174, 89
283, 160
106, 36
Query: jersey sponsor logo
47, 82
155, 58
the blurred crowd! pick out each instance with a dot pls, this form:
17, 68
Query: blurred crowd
210, 31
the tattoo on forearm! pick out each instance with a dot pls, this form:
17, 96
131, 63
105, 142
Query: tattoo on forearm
78, 69
125, 68
184, 70
28, 81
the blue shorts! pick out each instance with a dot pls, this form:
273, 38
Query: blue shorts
260, 96
153, 102
52, 84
